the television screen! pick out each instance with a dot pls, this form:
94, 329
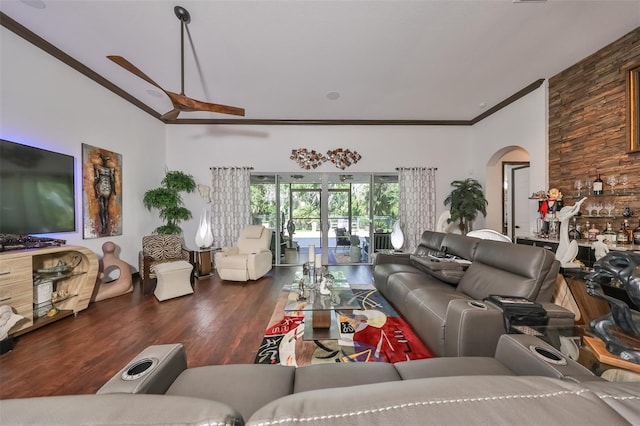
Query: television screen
36, 190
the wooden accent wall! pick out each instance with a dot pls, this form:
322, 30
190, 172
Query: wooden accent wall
588, 124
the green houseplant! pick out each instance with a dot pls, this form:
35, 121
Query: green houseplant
466, 200
168, 201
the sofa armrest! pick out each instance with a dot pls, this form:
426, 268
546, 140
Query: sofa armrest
228, 251
152, 371
472, 328
558, 316
400, 258
259, 264
528, 355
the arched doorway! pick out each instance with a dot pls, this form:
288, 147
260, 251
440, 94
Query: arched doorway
507, 191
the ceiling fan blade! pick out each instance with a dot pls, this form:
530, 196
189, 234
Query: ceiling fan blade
186, 103
171, 115
134, 70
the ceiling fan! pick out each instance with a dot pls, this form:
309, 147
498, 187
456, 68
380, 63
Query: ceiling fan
180, 101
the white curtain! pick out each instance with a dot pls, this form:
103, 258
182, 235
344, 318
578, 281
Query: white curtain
417, 203
230, 203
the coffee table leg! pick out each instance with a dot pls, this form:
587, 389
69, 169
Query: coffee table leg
321, 325
321, 319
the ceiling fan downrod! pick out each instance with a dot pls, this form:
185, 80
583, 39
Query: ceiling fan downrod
183, 15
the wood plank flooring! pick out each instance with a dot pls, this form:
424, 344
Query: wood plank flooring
221, 323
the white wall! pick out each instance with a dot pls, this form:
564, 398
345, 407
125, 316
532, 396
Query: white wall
47, 104
195, 148
523, 124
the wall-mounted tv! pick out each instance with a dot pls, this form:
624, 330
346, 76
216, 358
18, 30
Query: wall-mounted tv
37, 191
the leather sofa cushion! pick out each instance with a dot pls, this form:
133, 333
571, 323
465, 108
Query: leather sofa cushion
428, 308
506, 269
401, 284
429, 241
451, 366
321, 376
429, 265
460, 245
478, 400
382, 273
446, 271
116, 409
245, 387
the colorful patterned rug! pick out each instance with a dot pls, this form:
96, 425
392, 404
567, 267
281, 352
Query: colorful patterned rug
376, 333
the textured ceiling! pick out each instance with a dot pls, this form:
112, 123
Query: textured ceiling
387, 60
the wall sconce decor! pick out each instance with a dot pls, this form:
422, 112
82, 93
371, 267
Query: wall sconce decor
307, 158
311, 159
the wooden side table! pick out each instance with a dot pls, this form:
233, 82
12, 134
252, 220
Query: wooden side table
204, 261
607, 358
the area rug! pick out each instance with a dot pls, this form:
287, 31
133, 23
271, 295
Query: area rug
375, 333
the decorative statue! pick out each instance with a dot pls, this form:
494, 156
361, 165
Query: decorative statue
110, 261
205, 192
625, 267
549, 207
291, 229
567, 250
600, 247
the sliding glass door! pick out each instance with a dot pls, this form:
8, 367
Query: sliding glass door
333, 213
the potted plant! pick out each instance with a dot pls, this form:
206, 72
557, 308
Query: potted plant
466, 200
168, 201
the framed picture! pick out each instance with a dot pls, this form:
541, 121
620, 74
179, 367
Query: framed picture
633, 109
101, 192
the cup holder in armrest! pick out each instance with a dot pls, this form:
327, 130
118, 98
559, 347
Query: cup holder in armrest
139, 368
476, 304
547, 355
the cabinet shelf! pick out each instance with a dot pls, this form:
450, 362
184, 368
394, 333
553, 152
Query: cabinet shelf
605, 195
17, 278
603, 216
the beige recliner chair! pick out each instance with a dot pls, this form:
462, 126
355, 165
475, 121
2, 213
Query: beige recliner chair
250, 259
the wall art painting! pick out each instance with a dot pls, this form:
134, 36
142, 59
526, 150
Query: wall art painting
101, 192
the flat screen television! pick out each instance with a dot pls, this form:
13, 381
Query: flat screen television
37, 191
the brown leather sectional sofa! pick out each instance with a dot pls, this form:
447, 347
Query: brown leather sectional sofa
443, 300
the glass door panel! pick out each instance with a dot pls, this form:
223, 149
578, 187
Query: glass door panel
349, 215
327, 210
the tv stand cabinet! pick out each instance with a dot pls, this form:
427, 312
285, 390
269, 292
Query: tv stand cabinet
17, 270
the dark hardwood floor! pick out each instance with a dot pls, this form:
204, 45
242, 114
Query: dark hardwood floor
221, 323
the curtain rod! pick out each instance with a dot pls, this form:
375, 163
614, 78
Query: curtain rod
416, 168
230, 168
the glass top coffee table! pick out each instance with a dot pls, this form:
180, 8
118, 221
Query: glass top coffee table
319, 309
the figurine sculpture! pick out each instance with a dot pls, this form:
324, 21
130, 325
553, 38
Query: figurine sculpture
123, 284
599, 247
625, 267
567, 250
548, 208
